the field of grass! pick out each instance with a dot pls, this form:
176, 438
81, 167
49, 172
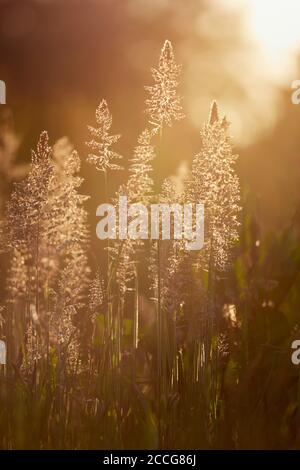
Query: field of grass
157, 346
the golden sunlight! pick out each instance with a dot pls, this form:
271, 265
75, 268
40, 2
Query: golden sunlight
275, 24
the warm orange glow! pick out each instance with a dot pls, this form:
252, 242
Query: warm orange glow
275, 24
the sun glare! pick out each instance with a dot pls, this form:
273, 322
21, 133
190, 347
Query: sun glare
275, 24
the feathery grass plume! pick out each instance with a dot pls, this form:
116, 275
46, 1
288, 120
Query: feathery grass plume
216, 185
69, 230
96, 293
140, 183
28, 205
164, 104
70, 238
105, 158
28, 212
163, 107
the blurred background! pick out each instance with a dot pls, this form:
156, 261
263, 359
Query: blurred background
59, 58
